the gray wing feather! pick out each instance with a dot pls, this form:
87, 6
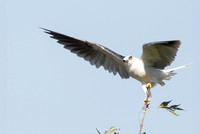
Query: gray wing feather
97, 55
160, 54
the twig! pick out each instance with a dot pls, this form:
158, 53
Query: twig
146, 104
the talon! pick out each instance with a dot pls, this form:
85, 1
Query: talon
148, 85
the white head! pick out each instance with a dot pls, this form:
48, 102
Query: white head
128, 60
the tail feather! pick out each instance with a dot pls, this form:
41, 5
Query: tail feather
174, 69
170, 72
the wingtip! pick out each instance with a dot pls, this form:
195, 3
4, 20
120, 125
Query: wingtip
178, 42
45, 30
175, 42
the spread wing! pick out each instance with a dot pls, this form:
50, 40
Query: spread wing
97, 55
160, 54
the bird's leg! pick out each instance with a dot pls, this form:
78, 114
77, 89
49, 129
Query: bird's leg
148, 86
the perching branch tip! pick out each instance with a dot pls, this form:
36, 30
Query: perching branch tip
146, 105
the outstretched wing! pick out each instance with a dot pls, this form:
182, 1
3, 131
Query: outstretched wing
97, 55
160, 54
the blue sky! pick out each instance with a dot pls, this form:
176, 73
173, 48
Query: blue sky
46, 89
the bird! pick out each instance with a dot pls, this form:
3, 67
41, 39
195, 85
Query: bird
149, 69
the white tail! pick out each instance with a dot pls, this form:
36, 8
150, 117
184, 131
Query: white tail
174, 69
170, 72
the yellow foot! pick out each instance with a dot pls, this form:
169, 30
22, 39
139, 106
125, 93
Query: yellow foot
146, 100
148, 85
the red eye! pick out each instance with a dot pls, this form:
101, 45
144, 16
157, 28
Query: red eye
130, 58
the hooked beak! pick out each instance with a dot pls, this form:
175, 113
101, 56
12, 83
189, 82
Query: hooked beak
124, 60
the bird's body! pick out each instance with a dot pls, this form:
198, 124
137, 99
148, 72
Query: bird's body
147, 74
147, 69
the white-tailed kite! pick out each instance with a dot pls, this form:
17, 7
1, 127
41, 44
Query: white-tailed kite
148, 69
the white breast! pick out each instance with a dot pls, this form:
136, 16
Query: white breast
137, 70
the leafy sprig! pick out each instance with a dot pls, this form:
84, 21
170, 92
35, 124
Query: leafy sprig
171, 108
112, 130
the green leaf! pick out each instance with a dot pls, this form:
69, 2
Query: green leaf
179, 108
171, 108
144, 133
174, 106
165, 103
98, 131
111, 128
174, 113
165, 107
